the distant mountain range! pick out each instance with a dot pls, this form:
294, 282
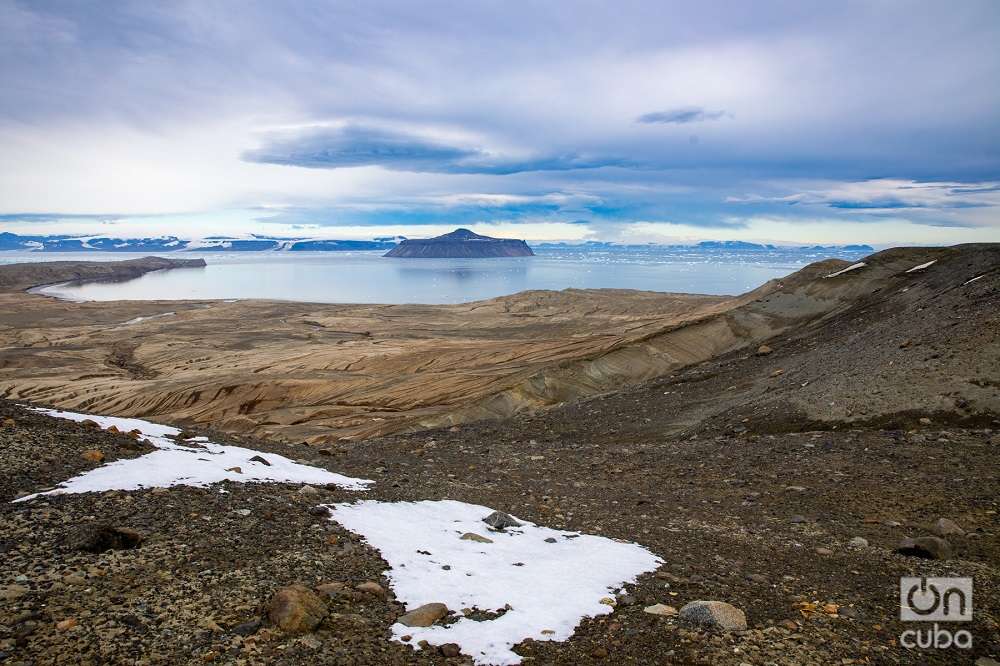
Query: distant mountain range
256, 243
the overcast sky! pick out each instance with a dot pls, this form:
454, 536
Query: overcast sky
796, 122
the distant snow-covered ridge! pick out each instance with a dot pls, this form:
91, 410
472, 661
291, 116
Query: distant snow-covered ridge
257, 243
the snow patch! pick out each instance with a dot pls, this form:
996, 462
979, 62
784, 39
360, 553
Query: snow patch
973, 279
852, 267
922, 266
550, 586
181, 464
136, 320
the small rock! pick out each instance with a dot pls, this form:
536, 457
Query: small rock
716, 614
790, 625
9, 423
93, 455
550, 540
824, 551
796, 519
472, 536
320, 510
757, 578
599, 652
778, 372
66, 625
260, 460
858, 542
330, 590
238, 470
371, 587
924, 420
660, 609
450, 650
763, 350
795, 489
308, 490
90, 423
296, 609
931, 548
248, 628
423, 616
243, 512
12, 592
945, 527
498, 520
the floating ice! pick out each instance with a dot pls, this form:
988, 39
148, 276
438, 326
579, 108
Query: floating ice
922, 266
550, 585
196, 462
852, 267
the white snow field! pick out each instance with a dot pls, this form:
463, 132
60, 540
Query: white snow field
196, 462
550, 586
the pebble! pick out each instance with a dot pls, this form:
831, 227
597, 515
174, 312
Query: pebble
67, 624
93, 455
858, 542
499, 520
450, 650
660, 609
371, 587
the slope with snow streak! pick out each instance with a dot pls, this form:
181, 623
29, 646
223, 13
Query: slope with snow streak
197, 462
550, 586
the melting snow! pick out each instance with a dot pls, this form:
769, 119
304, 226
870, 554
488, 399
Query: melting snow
177, 464
922, 266
852, 267
550, 587
974, 279
136, 320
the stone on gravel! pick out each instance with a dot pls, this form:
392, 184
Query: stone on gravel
499, 520
330, 590
472, 536
858, 542
296, 609
247, 628
100, 537
823, 551
660, 609
424, 616
763, 350
450, 650
931, 548
67, 624
371, 587
715, 614
93, 455
798, 519
308, 490
260, 460
945, 527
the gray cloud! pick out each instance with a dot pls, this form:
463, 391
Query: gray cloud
358, 145
690, 114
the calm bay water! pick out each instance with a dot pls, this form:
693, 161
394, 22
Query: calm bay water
367, 277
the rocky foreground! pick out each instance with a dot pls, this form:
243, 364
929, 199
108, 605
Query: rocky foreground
792, 482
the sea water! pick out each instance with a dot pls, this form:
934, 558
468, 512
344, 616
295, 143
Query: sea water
367, 277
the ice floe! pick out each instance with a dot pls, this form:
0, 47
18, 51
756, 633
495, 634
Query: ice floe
550, 579
922, 266
852, 267
193, 462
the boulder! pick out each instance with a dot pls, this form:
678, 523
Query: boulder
423, 616
101, 537
945, 528
930, 548
714, 614
371, 587
763, 350
296, 609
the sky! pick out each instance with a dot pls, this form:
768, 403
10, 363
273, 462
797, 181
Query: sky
789, 122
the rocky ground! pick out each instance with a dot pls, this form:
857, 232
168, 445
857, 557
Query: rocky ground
780, 480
